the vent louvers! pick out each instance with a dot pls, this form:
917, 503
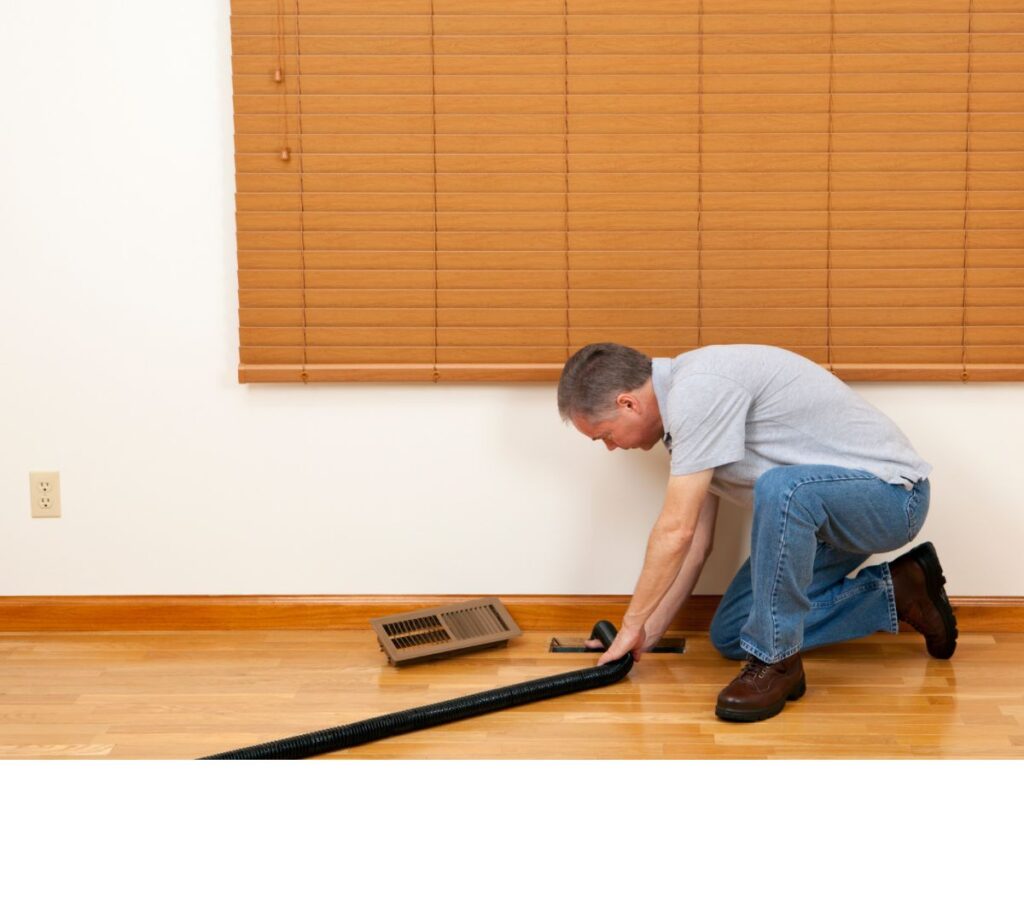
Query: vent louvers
412, 640
472, 622
410, 624
445, 631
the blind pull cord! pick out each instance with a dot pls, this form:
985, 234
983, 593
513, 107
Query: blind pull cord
436, 373
967, 197
565, 112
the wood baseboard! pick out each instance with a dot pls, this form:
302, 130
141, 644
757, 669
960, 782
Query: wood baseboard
318, 612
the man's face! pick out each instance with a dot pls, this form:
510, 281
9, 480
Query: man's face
632, 425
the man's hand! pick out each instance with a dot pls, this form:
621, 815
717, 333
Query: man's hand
629, 639
649, 643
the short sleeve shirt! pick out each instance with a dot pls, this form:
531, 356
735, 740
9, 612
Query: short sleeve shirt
743, 409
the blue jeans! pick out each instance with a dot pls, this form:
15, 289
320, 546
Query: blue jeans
813, 524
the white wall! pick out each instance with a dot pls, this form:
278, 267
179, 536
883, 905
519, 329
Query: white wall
118, 349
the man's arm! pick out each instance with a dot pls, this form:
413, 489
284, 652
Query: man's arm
689, 573
667, 547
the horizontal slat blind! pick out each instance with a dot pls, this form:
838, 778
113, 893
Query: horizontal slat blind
473, 189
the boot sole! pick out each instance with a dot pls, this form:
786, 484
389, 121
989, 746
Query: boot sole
749, 716
924, 555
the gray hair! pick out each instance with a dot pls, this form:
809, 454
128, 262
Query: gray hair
596, 375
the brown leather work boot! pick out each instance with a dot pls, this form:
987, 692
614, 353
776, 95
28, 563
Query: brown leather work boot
921, 601
761, 690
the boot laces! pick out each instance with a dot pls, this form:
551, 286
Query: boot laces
754, 668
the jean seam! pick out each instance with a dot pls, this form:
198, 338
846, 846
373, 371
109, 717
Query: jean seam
913, 504
890, 598
849, 594
911, 507
782, 555
754, 650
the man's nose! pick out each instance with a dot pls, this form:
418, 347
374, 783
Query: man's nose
611, 446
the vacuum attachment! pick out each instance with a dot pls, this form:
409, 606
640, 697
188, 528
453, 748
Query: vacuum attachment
577, 645
447, 630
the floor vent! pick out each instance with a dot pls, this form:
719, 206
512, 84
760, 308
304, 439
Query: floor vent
445, 631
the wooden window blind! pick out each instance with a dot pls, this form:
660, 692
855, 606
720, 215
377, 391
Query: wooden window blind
473, 189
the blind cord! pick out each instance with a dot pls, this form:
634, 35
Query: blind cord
700, 173
279, 79
436, 374
302, 191
967, 185
565, 34
828, 211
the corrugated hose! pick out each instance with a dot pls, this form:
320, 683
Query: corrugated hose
442, 712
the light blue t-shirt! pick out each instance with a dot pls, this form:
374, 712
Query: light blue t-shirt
743, 409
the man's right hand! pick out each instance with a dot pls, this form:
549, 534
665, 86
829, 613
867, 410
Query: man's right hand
628, 640
651, 642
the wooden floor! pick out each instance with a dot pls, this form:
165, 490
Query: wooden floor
184, 694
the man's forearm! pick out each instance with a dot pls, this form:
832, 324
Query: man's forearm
677, 594
665, 556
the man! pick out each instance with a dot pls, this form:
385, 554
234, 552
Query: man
831, 481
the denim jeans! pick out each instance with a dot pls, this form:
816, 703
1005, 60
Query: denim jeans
813, 524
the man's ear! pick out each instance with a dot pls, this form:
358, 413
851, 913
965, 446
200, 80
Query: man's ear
627, 401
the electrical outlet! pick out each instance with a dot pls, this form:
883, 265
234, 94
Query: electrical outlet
44, 490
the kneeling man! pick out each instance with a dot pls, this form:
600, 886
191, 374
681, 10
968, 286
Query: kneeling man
830, 478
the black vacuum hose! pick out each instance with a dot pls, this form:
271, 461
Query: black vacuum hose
431, 715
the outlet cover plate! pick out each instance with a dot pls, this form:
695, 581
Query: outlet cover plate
44, 489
